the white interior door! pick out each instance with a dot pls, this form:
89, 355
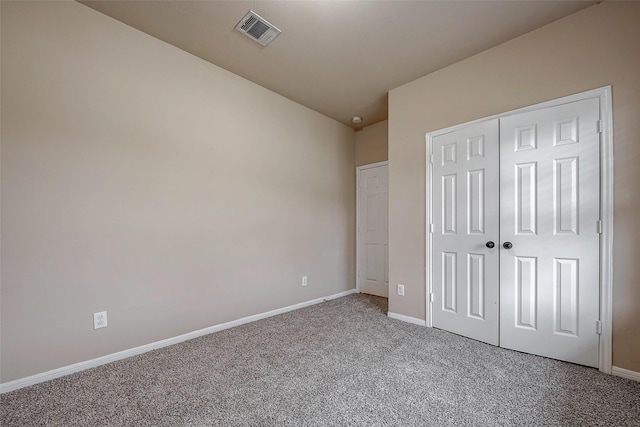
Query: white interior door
373, 231
538, 290
549, 218
464, 266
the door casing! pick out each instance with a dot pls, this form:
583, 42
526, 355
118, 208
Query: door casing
606, 209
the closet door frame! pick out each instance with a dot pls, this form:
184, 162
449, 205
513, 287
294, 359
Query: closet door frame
606, 209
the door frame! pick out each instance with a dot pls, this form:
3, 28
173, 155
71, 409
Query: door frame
359, 170
606, 209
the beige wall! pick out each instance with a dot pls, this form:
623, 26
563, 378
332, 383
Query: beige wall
372, 144
141, 180
592, 48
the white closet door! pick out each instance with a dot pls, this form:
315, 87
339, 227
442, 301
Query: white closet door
465, 219
373, 271
549, 195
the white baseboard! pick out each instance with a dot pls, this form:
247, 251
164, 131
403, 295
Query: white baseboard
407, 319
81, 366
625, 373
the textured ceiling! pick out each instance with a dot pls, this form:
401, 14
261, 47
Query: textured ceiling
338, 57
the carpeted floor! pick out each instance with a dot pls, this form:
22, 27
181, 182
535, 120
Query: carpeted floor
342, 362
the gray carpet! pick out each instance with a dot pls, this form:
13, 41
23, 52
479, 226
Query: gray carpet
342, 362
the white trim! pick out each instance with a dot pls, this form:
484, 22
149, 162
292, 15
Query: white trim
593, 93
81, 366
606, 238
606, 209
428, 234
407, 319
625, 373
373, 165
359, 169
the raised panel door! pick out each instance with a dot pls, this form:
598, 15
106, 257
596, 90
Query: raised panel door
464, 212
549, 195
373, 268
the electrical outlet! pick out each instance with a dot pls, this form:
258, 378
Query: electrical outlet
401, 290
100, 320
304, 280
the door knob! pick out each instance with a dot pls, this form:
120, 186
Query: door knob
507, 245
490, 244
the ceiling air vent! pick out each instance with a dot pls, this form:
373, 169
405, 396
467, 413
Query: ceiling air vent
257, 28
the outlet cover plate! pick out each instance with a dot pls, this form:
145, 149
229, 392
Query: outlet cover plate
100, 320
401, 290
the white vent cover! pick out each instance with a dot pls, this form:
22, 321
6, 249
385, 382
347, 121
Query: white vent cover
257, 28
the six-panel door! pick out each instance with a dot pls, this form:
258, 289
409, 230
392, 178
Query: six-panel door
549, 195
465, 210
373, 268
548, 242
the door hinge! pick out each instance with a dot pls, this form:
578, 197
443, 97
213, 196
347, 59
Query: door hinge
599, 327
430, 228
358, 273
431, 158
430, 296
599, 126
599, 226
